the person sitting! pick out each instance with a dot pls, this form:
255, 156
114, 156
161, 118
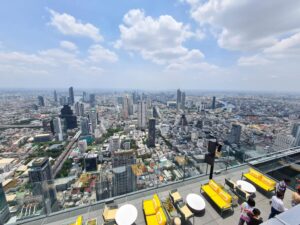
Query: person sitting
282, 185
255, 218
277, 205
296, 196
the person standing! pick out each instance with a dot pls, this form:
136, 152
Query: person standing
282, 185
277, 205
255, 218
296, 196
246, 208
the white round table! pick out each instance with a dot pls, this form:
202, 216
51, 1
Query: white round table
126, 215
195, 202
246, 186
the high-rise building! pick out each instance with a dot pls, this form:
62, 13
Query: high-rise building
70, 121
295, 129
235, 134
103, 186
183, 100
151, 133
77, 108
135, 97
55, 96
124, 180
92, 100
93, 118
130, 107
125, 107
84, 126
81, 109
283, 141
115, 143
183, 121
71, 96
297, 138
179, 98
41, 101
58, 130
84, 97
142, 115
41, 179
90, 162
156, 113
213, 105
4, 209
63, 100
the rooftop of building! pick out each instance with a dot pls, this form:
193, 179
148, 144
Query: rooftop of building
211, 216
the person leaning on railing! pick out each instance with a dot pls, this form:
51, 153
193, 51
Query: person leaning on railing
296, 196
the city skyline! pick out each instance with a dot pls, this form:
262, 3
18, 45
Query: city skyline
198, 45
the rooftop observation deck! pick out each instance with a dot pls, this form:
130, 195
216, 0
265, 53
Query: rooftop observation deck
211, 216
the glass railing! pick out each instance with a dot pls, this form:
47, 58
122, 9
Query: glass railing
70, 196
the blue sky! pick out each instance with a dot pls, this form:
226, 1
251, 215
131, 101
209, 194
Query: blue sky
189, 44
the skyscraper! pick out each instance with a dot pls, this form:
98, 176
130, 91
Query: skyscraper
213, 105
70, 120
295, 129
124, 180
84, 126
58, 131
178, 99
41, 101
156, 113
235, 134
55, 96
4, 210
92, 100
63, 100
183, 100
151, 133
125, 107
297, 138
71, 96
81, 109
142, 115
41, 179
77, 109
93, 118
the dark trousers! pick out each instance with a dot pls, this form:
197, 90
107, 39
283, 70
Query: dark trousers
274, 212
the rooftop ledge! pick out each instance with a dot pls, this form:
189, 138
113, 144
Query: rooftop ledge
211, 216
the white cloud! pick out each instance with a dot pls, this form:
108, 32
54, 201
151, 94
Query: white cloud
253, 61
99, 54
248, 24
282, 50
68, 45
160, 40
289, 45
56, 61
69, 25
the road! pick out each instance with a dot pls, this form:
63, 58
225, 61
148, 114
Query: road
64, 155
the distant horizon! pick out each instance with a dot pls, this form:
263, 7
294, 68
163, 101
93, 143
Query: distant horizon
122, 90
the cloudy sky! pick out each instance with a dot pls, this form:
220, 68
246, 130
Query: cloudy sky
151, 44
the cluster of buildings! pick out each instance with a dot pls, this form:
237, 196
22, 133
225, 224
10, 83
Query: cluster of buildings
65, 149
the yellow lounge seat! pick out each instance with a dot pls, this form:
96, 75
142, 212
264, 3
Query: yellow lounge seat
158, 219
220, 197
151, 206
78, 221
260, 180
